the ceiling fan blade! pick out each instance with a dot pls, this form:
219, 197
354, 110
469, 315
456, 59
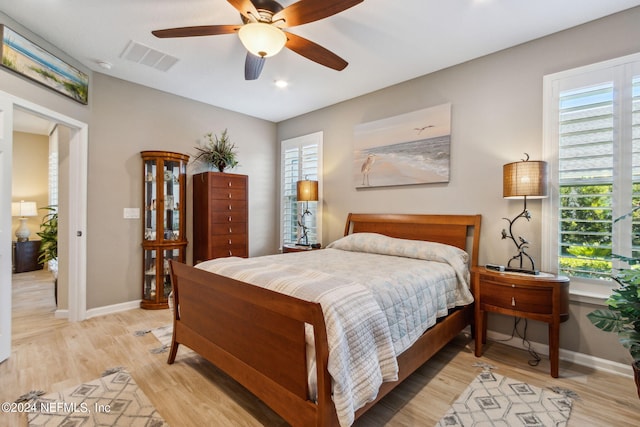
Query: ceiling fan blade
246, 8
203, 30
253, 66
315, 52
306, 11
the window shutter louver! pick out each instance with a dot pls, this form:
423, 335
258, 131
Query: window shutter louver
592, 135
300, 160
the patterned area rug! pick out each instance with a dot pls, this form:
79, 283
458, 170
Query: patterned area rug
162, 334
494, 400
113, 400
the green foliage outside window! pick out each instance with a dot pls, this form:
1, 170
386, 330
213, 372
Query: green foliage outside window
586, 230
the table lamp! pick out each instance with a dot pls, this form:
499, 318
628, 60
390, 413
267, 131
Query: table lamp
23, 210
522, 180
307, 191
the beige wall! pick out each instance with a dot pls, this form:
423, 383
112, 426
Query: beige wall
30, 179
496, 117
128, 118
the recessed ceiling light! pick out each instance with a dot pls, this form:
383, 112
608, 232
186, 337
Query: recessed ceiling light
281, 83
104, 64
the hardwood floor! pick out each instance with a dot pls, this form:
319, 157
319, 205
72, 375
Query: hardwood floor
52, 354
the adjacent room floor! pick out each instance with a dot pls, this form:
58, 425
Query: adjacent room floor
52, 354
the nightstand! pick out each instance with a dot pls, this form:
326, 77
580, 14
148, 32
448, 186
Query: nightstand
297, 248
25, 256
543, 297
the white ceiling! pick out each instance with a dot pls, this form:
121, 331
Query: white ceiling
385, 42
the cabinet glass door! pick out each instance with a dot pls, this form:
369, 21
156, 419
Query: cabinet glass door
150, 265
172, 200
169, 254
150, 198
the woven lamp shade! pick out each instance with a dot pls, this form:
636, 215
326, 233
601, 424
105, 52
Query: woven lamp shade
524, 179
307, 191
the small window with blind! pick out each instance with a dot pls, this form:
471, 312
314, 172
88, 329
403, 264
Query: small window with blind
301, 159
592, 142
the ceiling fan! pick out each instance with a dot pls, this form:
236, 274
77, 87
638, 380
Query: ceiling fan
262, 31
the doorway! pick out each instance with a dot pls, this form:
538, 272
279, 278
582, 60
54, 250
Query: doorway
74, 234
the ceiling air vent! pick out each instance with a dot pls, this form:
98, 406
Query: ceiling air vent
144, 55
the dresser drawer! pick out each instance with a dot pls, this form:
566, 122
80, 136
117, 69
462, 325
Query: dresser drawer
230, 241
225, 205
227, 252
517, 297
229, 181
229, 194
228, 217
227, 229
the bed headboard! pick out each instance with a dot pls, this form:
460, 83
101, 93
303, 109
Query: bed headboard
452, 230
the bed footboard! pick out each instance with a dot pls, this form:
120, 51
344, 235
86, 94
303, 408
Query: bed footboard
257, 337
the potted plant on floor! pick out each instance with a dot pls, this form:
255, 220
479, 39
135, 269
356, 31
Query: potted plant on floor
49, 243
217, 152
623, 313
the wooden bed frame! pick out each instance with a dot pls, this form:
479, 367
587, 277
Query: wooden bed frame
243, 329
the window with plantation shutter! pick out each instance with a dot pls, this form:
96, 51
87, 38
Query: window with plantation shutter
301, 158
592, 143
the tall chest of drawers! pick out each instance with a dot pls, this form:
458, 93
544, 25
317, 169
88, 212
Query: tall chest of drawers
220, 216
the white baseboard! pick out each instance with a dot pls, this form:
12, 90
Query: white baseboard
115, 308
569, 356
61, 314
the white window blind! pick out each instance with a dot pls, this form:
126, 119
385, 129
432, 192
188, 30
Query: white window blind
301, 159
592, 141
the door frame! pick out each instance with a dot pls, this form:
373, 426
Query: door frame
77, 204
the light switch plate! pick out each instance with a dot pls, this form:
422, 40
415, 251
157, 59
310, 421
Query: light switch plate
131, 213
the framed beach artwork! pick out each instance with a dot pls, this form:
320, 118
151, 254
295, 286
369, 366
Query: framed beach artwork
28, 59
412, 148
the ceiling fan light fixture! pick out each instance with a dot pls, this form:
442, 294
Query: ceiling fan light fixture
262, 39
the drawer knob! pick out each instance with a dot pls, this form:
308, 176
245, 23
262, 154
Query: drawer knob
229, 207
230, 230
229, 241
230, 254
229, 219
513, 301
229, 183
229, 195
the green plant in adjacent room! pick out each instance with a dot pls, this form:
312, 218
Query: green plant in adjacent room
49, 236
217, 152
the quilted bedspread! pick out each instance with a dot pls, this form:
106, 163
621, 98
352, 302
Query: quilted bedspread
378, 295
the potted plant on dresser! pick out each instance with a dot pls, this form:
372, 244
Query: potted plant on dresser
217, 152
623, 313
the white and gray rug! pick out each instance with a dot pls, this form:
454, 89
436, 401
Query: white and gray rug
494, 400
162, 334
112, 400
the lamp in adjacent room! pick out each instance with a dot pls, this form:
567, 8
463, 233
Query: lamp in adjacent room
307, 191
23, 210
523, 180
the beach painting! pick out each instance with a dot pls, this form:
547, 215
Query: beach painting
30, 60
412, 148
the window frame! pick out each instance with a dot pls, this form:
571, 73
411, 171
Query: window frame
310, 139
620, 71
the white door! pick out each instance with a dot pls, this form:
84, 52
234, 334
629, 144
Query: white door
6, 140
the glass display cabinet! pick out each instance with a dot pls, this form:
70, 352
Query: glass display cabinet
164, 238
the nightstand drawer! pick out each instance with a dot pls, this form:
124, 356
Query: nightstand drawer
517, 297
